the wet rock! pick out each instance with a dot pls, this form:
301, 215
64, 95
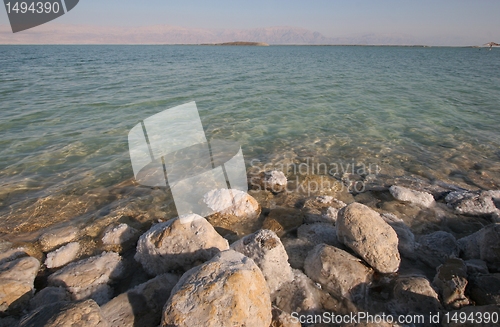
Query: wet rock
366, 233
267, 251
119, 235
413, 295
89, 278
475, 311
49, 295
435, 248
485, 289
404, 194
283, 220
179, 243
61, 314
283, 319
406, 239
234, 210
451, 280
304, 296
483, 244
212, 295
338, 272
57, 237
16, 283
64, 255
274, 181
142, 305
322, 209
477, 203
319, 233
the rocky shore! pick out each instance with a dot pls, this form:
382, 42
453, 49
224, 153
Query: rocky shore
273, 258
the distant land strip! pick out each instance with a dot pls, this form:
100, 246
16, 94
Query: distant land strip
259, 44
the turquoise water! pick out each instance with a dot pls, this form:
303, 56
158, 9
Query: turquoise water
65, 112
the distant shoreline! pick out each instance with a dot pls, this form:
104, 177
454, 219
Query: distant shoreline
240, 43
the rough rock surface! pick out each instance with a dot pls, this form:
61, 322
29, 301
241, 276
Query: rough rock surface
485, 289
179, 243
297, 250
54, 238
366, 233
16, 283
406, 239
49, 295
142, 305
89, 278
451, 281
414, 294
267, 251
319, 233
119, 234
322, 209
63, 314
12, 254
477, 203
435, 248
338, 272
64, 255
274, 181
212, 295
283, 220
404, 194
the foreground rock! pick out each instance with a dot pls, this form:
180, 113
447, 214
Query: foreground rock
451, 280
338, 272
414, 295
228, 290
235, 210
16, 283
62, 314
483, 244
435, 248
267, 251
119, 235
64, 255
142, 305
366, 233
477, 203
57, 237
89, 278
179, 243
416, 197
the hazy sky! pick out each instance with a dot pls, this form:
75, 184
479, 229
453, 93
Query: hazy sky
471, 21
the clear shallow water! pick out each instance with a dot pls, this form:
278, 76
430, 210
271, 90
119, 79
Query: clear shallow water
65, 112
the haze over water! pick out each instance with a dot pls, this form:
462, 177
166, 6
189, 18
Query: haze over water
65, 112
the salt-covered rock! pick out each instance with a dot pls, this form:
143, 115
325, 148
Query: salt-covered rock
119, 235
404, 194
56, 237
142, 305
319, 233
274, 181
413, 295
435, 248
406, 238
322, 209
283, 319
64, 255
179, 243
283, 220
16, 283
89, 278
49, 295
267, 251
235, 210
477, 203
62, 314
366, 233
338, 272
451, 280
12, 254
485, 289
229, 290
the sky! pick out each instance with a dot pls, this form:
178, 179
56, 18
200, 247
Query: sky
468, 22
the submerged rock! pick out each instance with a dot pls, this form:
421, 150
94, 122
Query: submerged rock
404, 194
366, 233
64, 255
142, 305
283, 220
62, 314
229, 290
274, 181
435, 248
54, 238
338, 272
267, 251
179, 243
477, 203
16, 283
89, 278
451, 280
